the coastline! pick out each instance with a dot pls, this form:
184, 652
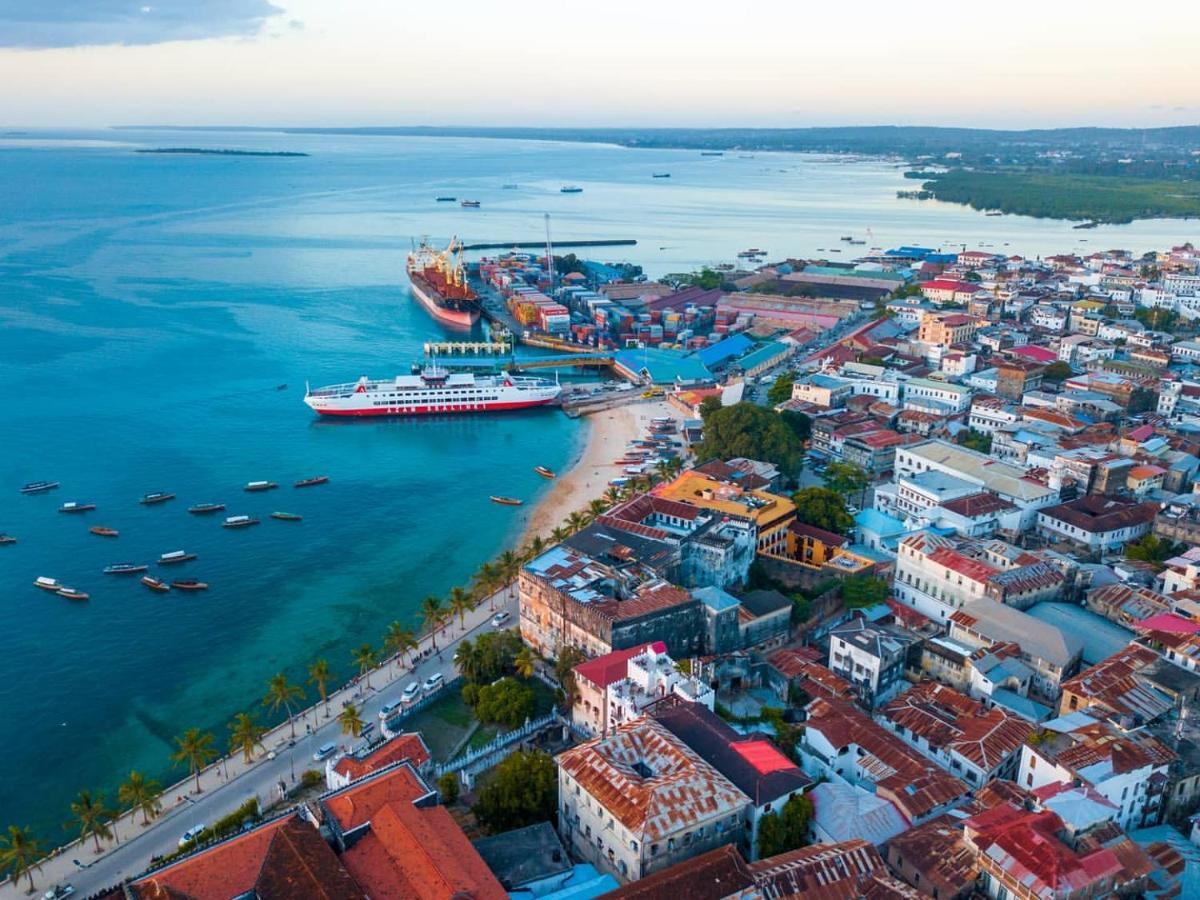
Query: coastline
609, 431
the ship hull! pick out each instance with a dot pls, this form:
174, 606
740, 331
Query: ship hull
457, 318
441, 409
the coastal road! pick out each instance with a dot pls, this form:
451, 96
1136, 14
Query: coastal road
222, 795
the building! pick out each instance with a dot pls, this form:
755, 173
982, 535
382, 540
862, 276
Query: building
944, 329
639, 800
764, 619
1097, 524
1135, 685
872, 657
532, 862
1016, 377
751, 762
409, 747
824, 391
843, 812
935, 857
972, 741
771, 513
1130, 770
937, 397
947, 290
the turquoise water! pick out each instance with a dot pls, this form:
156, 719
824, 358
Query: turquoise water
149, 307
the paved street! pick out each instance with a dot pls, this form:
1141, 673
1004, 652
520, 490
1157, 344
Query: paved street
222, 793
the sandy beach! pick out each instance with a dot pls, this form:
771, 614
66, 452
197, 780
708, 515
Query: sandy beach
609, 431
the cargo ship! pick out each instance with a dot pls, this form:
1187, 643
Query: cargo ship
432, 391
440, 285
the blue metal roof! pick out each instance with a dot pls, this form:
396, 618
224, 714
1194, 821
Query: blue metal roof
664, 366
764, 354
715, 598
724, 350
880, 523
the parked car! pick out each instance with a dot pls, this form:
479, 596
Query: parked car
59, 891
410, 692
190, 835
388, 708
500, 618
433, 682
324, 752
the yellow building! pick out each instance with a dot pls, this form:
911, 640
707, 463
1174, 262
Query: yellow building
942, 329
770, 512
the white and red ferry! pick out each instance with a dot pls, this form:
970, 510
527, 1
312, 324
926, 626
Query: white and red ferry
432, 391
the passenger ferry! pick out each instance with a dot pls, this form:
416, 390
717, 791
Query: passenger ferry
156, 497
72, 506
239, 522
175, 556
432, 391
39, 487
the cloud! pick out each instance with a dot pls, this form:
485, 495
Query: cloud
43, 24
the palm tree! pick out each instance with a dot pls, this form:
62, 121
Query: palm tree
509, 564
351, 720
534, 548
19, 854
466, 657
281, 692
244, 735
575, 521
461, 604
431, 614
140, 793
559, 534
365, 658
524, 662
485, 582
596, 507
613, 496
320, 675
399, 640
195, 750
92, 817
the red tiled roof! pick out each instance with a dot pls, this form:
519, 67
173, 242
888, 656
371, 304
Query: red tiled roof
612, 667
356, 805
409, 746
828, 538
974, 569
1037, 354
764, 756
980, 504
1171, 623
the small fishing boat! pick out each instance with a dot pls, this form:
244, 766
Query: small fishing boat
71, 594
286, 516
156, 497
155, 585
74, 507
506, 501
470, 204
544, 472
39, 487
47, 584
102, 531
175, 556
189, 584
846, 237
239, 522
201, 509
570, 189
255, 486
310, 482
510, 187
7, 539
281, 387
661, 175
446, 199
125, 569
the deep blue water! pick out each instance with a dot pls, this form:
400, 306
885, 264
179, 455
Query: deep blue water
149, 306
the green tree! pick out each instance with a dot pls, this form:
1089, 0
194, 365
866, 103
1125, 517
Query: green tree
846, 478
786, 830
564, 670
487, 579
709, 405
467, 659
140, 793
399, 640
459, 605
320, 676
861, 591
979, 441
244, 735
509, 564
559, 534
523, 791
497, 652
351, 720
1057, 371
800, 423
823, 508
525, 663
91, 816
431, 615
282, 693
781, 390
750, 431
19, 855
365, 657
505, 702
706, 278
1152, 549
447, 786
194, 749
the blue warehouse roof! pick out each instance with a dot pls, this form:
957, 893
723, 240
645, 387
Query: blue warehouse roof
724, 350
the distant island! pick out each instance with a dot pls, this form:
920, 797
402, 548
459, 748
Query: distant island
206, 151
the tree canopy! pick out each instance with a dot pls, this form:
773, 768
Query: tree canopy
1152, 549
750, 431
823, 508
980, 441
523, 791
781, 390
507, 702
846, 478
863, 590
787, 829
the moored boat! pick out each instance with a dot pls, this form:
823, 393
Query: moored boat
47, 584
570, 189
201, 509
438, 281
544, 472
239, 522
286, 516
156, 497
74, 507
7, 539
506, 501
310, 482
155, 585
189, 584
446, 199
125, 568
102, 531
470, 204
39, 487
661, 175
254, 486
71, 594
175, 556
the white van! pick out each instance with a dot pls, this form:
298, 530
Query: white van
190, 835
433, 682
388, 708
324, 752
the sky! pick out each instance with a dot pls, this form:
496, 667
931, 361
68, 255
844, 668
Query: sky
1019, 64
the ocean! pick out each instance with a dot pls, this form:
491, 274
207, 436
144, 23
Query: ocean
152, 305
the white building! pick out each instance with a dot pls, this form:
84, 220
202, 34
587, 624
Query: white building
870, 656
936, 396
1096, 522
650, 677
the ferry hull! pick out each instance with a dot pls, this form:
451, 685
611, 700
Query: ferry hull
457, 318
447, 409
